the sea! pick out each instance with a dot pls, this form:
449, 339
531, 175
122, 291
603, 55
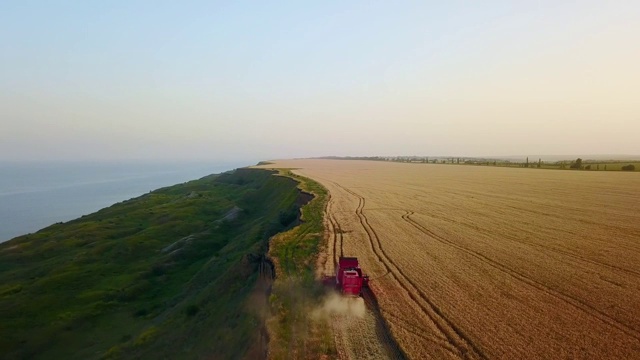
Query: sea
34, 195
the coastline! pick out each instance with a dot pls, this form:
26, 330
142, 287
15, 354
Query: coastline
37, 194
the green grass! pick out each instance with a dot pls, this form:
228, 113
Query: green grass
297, 251
295, 291
112, 285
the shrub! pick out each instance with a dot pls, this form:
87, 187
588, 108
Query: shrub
287, 217
141, 312
629, 167
577, 164
191, 310
147, 336
158, 270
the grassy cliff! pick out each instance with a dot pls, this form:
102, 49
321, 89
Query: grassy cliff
164, 275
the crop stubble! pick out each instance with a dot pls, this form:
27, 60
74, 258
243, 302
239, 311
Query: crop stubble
483, 262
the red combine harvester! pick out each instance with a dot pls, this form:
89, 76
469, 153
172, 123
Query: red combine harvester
349, 279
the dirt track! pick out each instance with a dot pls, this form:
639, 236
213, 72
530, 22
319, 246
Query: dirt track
477, 262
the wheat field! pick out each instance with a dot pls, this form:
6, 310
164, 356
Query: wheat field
491, 263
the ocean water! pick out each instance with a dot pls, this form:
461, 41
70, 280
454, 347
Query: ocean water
36, 195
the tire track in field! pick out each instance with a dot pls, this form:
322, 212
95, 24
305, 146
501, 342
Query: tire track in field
541, 246
382, 332
454, 335
382, 329
336, 231
575, 302
466, 193
419, 332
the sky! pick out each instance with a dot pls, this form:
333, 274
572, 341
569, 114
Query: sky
236, 80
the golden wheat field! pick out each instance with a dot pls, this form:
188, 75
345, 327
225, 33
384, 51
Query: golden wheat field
491, 263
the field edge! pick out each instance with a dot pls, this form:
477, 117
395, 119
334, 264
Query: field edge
296, 292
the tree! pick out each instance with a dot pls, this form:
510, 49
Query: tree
577, 164
539, 163
629, 167
527, 163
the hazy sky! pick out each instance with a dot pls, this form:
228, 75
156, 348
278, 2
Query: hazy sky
265, 79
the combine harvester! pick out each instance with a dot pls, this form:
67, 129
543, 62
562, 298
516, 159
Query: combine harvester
353, 285
349, 280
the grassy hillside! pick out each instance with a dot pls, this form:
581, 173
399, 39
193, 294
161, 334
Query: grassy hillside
164, 275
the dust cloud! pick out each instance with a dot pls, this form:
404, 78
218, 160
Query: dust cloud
336, 304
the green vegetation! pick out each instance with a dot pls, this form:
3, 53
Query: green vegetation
296, 250
164, 275
577, 164
264, 163
296, 292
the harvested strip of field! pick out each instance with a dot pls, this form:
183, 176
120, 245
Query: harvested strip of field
359, 328
480, 262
